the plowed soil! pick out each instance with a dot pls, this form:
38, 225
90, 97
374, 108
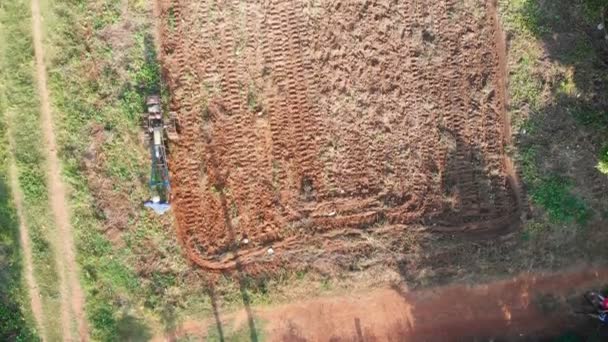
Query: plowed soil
305, 123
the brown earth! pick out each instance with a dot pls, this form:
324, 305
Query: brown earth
530, 305
305, 123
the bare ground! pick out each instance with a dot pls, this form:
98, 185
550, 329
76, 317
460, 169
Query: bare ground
72, 296
304, 122
517, 308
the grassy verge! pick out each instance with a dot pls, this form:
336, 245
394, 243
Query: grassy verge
551, 62
16, 323
20, 110
102, 64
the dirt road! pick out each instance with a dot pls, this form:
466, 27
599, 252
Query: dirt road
24, 239
71, 292
528, 305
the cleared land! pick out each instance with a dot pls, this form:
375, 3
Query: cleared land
528, 307
304, 122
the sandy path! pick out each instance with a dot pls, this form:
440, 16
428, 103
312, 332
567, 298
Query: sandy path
24, 236
508, 308
72, 296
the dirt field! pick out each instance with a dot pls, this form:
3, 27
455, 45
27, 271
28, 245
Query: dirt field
309, 125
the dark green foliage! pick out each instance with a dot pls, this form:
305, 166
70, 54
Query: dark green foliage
102, 319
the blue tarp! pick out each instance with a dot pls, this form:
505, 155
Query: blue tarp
159, 208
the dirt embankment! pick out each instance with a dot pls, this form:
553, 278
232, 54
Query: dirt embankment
518, 308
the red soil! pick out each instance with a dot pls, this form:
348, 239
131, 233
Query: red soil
505, 310
303, 120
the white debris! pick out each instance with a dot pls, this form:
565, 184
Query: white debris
270, 251
156, 199
600, 26
245, 241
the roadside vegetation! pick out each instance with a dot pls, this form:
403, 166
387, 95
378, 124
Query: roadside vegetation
557, 86
19, 108
101, 65
16, 323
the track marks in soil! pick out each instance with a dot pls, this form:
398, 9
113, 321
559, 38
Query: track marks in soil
312, 118
24, 238
72, 296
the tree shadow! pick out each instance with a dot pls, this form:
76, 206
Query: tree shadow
563, 126
216, 311
240, 273
476, 197
13, 322
130, 328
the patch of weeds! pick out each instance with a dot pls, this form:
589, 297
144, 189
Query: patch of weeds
589, 116
553, 194
533, 228
593, 10
524, 88
602, 164
110, 274
582, 52
567, 86
253, 103
526, 16
111, 13
171, 21
14, 321
101, 316
527, 160
326, 284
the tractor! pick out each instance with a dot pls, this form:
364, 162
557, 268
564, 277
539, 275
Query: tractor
156, 126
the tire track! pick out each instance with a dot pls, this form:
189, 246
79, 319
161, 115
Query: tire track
370, 111
72, 296
24, 237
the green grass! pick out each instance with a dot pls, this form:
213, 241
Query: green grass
16, 323
140, 282
590, 117
21, 112
530, 99
553, 193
